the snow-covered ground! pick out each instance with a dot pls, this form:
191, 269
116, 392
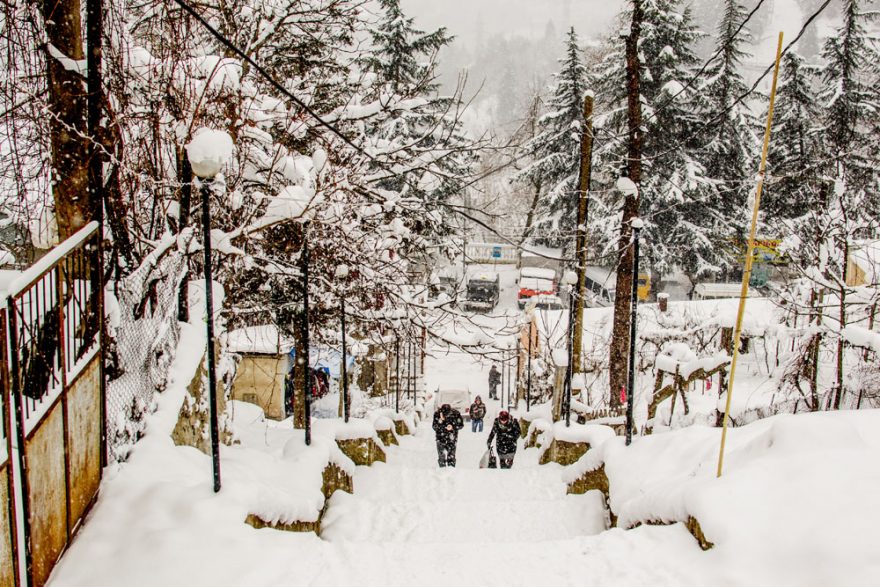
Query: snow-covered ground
796, 506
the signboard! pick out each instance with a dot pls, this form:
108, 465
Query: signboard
496, 252
766, 251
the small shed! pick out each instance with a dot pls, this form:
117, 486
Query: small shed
264, 365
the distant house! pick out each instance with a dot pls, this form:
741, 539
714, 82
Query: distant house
863, 264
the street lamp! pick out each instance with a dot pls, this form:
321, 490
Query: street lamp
570, 280
342, 276
637, 225
207, 153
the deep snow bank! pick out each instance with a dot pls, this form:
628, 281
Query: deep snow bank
796, 503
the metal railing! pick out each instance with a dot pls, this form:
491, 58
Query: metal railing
54, 322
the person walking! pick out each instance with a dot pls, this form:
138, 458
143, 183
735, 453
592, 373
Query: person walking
505, 432
494, 382
447, 423
477, 412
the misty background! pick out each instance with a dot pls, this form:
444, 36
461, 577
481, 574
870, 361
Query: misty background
508, 49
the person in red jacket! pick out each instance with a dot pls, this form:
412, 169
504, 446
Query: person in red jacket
505, 431
477, 412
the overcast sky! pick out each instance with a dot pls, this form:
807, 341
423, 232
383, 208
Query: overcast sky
467, 19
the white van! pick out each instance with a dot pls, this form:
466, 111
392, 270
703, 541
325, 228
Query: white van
715, 291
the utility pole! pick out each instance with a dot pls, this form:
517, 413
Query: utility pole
620, 331
581, 240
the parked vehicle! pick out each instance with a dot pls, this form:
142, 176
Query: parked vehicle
536, 281
482, 292
600, 285
446, 280
459, 399
714, 291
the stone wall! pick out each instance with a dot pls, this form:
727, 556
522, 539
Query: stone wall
334, 479
564, 452
363, 451
598, 480
193, 424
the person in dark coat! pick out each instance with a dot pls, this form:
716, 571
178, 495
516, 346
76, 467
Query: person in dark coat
477, 412
505, 432
447, 423
494, 381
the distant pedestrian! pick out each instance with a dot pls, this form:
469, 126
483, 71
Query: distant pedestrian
494, 382
477, 412
447, 423
505, 431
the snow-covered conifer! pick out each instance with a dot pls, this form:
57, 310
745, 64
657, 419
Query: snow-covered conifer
555, 151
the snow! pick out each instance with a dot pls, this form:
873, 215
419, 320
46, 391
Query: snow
589, 433
796, 504
208, 151
265, 339
29, 275
79, 66
626, 186
861, 337
777, 508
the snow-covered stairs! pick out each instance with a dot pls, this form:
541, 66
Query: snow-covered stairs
410, 500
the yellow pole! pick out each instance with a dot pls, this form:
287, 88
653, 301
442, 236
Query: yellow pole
744, 292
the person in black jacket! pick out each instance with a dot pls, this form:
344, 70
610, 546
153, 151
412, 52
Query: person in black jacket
447, 423
494, 381
505, 431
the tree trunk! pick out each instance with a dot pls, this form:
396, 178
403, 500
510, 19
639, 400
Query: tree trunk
619, 350
813, 349
841, 343
67, 105
530, 217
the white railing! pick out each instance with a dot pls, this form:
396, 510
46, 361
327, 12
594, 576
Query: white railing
491, 253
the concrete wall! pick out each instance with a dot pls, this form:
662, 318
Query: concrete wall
260, 380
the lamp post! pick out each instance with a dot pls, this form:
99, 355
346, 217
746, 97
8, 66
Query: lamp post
570, 279
397, 375
207, 153
305, 359
529, 376
637, 225
342, 275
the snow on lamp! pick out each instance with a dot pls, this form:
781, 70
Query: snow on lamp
208, 152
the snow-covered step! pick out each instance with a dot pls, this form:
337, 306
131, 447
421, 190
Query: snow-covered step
410, 500
494, 519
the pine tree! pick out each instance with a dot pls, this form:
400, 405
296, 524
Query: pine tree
418, 131
852, 205
796, 145
555, 151
398, 48
672, 176
728, 141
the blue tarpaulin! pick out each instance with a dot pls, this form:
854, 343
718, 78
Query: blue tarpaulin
325, 359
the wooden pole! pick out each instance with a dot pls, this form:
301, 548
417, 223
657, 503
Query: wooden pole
744, 291
581, 241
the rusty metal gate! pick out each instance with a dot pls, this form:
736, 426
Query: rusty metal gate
53, 385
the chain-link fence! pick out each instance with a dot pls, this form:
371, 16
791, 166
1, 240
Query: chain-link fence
143, 329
